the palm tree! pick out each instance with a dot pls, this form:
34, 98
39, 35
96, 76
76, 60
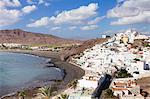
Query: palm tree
73, 84
22, 94
108, 93
63, 96
46, 91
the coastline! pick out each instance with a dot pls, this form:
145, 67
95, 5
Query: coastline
72, 71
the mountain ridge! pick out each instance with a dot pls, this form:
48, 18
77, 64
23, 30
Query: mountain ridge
25, 37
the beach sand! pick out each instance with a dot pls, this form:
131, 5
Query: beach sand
72, 71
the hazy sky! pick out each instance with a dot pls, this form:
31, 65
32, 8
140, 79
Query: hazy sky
79, 19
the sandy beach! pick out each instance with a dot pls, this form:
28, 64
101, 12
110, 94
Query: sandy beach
72, 71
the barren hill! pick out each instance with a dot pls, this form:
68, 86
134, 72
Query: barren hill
69, 52
24, 37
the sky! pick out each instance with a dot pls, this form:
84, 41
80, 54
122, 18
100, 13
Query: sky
76, 19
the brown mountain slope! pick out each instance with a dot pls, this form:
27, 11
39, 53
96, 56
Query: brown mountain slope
69, 52
24, 37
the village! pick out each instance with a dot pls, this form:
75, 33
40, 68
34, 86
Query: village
40, 47
113, 66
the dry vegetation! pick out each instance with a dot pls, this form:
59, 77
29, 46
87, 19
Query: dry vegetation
144, 83
139, 43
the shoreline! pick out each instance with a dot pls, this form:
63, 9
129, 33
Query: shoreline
72, 71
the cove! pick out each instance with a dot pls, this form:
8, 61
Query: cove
19, 71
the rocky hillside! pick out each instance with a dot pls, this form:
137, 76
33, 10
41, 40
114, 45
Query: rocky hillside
69, 52
24, 37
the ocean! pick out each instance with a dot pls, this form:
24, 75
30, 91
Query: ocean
20, 71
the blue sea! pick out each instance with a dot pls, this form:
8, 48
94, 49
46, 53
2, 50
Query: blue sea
19, 71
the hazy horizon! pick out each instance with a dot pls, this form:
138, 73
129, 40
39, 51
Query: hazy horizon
73, 19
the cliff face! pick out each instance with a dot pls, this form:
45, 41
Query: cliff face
24, 37
68, 53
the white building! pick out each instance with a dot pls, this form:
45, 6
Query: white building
112, 55
126, 88
104, 58
89, 81
104, 36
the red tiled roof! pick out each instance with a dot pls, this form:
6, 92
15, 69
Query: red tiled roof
119, 89
119, 84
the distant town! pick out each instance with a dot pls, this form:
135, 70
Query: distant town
10, 46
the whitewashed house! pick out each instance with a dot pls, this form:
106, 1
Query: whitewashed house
126, 88
89, 81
